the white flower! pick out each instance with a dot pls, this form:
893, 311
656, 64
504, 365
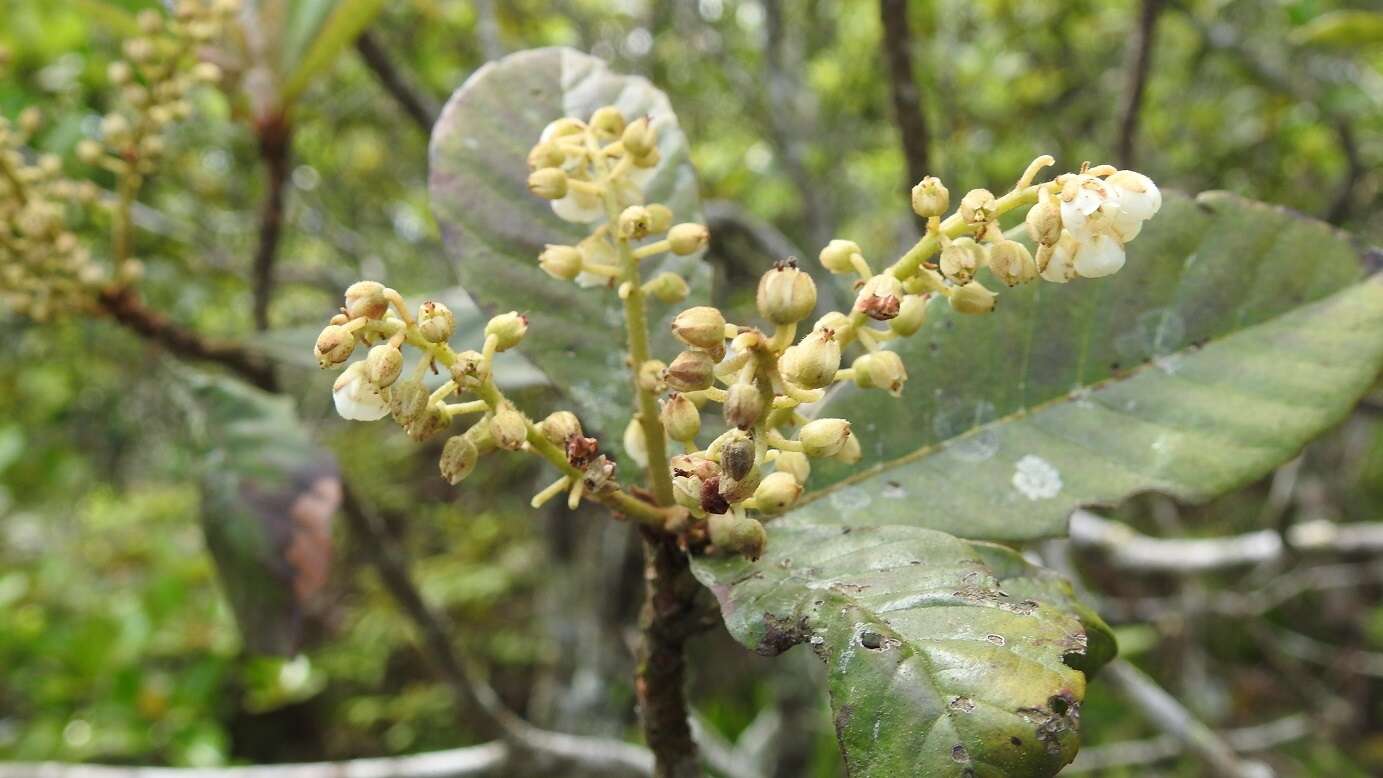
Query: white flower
1061, 267
636, 443
1138, 196
356, 398
579, 207
1080, 198
1099, 255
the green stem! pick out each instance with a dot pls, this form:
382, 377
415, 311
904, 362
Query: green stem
636, 322
954, 227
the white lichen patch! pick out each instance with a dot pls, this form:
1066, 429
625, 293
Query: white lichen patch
1036, 479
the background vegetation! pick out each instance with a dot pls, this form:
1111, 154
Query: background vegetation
115, 641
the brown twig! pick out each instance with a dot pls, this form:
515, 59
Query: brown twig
1139, 65
275, 142
1343, 204
902, 82
418, 107
126, 307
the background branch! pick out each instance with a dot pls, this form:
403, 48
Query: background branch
1139, 65
1130, 753
275, 142
902, 82
418, 107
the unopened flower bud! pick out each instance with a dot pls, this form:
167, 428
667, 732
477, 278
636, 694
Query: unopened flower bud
659, 217
735, 534
1011, 262
559, 427
881, 370
114, 128
834, 321
686, 491
973, 298
1044, 220
824, 437
436, 322
688, 238
119, 73
961, 258
668, 287
508, 329
608, 121
702, 326
562, 262
737, 457
459, 456
744, 404
408, 401
930, 198
366, 299
691, 371
545, 155
836, 256
383, 364
786, 294
880, 297
794, 463
431, 421
549, 183
912, 313
334, 345
636, 442
649, 377
89, 151
777, 492
206, 72
812, 364
737, 490
977, 207
680, 418
639, 137
634, 223
509, 428
849, 453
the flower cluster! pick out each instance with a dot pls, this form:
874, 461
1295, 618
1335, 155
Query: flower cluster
762, 377
50, 271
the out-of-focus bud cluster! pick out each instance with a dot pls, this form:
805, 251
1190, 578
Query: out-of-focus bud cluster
47, 271
594, 172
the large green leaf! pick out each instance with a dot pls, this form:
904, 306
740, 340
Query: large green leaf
945, 657
318, 31
494, 228
1236, 333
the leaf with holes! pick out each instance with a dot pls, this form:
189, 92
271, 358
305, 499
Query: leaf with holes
495, 228
945, 657
1236, 333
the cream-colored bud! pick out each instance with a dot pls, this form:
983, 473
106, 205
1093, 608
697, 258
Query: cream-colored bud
549, 183
930, 198
465, 371
545, 155
608, 121
849, 453
366, 299
688, 238
459, 456
824, 437
119, 73
636, 442
961, 258
668, 287
149, 21
428, 423
812, 364
836, 256
648, 160
702, 326
334, 345
744, 404
912, 314
691, 371
90, 152
436, 322
686, 491
115, 129
1011, 262
1044, 220
736, 490
835, 321
659, 217
737, 456
408, 401
880, 297
559, 427
649, 377
736, 534
786, 294
777, 492
680, 418
973, 298
634, 223
881, 370
508, 329
978, 207
509, 428
383, 364
561, 262
206, 72
794, 463
639, 137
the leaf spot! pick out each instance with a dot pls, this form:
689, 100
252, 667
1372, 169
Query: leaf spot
997, 640
959, 754
1036, 479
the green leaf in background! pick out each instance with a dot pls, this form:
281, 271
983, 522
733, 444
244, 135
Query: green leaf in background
318, 30
1345, 29
1236, 333
945, 658
494, 228
268, 498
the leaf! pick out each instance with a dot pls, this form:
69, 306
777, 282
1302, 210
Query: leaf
1344, 29
268, 497
944, 657
494, 228
317, 31
1236, 333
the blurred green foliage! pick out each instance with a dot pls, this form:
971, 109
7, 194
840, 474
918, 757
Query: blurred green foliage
114, 642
